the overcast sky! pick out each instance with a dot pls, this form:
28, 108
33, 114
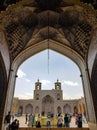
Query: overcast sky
48, 70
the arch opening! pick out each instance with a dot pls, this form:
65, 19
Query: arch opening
67, 108
29, 109
47, 105
64, 50
60, 68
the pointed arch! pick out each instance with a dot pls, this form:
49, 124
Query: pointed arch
20, 110
47, 104
67, 109
75, 110
37, 110
59, 110
62, 49
29, 109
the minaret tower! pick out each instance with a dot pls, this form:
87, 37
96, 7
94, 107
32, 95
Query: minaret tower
38, 85
57, 85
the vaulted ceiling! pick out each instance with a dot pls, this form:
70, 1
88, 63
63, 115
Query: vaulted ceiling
59, 20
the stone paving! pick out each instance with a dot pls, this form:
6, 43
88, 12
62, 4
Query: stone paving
72, 123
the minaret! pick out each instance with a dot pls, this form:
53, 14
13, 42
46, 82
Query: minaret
57, 85
38, 85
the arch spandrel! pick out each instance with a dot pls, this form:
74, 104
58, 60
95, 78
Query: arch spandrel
53, 45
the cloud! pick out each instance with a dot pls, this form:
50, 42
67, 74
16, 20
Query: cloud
66, 96
28, 94
70, 83
45, 82
21, 74
76, 96
28, 80
25, 96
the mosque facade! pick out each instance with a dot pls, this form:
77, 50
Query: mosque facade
48, 102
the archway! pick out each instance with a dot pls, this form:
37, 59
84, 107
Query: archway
59, 110
77, 30
29, 109
67, 109
47, 104
20, 110
56, 46
75, 109
37, 110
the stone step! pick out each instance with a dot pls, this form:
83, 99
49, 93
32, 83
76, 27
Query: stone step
25, 128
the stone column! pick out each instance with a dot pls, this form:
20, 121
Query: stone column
89, 103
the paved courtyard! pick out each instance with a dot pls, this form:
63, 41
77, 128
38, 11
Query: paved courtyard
72, 123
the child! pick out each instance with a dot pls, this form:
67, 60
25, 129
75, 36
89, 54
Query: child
48, 122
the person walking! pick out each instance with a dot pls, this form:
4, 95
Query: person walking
66, 120
33, 117
79, 122
26, 117
8, 120
60, 120
31, 120
48, 123
38, 124
12, 115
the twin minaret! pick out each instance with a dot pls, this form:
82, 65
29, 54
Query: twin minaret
38, 85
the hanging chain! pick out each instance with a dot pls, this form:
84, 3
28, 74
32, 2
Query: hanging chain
48, 42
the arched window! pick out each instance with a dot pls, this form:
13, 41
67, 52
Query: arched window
37, 96
58, 96
59, 109
75, 110
37, 110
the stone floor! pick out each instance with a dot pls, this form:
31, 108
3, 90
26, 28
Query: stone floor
72, 123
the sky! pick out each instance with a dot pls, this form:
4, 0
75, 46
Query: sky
48, 66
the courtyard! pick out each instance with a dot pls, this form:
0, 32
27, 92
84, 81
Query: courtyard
53, 122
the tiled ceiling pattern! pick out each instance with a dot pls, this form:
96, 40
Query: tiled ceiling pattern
43, 19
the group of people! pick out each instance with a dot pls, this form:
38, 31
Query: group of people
66, 120
30, 119
14, 125
78, 120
